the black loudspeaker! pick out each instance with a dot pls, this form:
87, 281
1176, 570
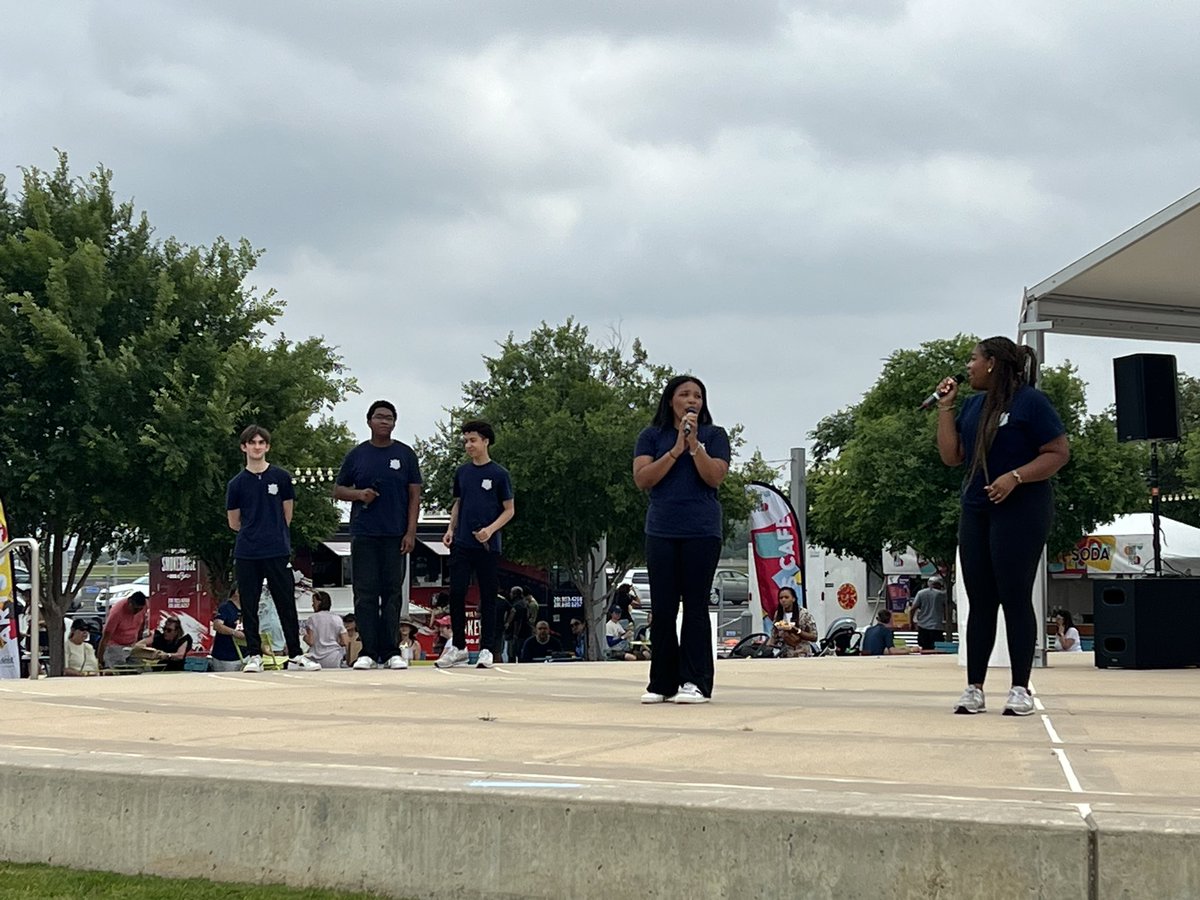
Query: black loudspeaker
1146, 623
1147, 397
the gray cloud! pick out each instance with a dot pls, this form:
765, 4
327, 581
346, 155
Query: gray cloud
774, 195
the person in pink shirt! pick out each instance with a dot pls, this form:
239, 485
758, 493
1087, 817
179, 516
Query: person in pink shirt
124, 627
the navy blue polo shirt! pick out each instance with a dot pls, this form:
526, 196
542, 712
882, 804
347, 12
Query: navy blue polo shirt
682, 504
223, 647
1030, 423
480, 492
264, 533
389, 471
877, 639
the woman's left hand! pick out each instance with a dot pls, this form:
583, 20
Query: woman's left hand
1000, 488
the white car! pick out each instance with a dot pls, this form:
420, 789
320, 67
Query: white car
112, 594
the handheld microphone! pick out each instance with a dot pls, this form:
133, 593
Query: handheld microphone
687, 426
937, 395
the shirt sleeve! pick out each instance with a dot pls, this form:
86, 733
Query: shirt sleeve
506, 488
1044, 422
646, 444
287, 488
231, 495
345, 475
415, 468
457, 491
717, 445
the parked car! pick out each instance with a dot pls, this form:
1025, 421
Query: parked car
731, 587
640, 579
112, 594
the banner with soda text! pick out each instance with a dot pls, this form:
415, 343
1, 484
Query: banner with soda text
776, 544
10, 647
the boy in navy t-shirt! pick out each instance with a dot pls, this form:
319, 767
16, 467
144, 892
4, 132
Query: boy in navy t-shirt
258, 503
483, 504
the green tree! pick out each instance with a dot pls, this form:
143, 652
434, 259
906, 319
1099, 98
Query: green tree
567, 413
118, 355
877, 480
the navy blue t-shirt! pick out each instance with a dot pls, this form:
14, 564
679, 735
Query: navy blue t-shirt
223, 647
876, 640
264, 533
480, 492
682, 505
1031, 422
389, 471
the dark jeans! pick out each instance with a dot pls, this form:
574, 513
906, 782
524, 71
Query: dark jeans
928, 637
681, 571
250, 575
1001, 549
486, 566
378, 583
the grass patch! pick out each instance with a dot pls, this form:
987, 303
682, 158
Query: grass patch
25, 882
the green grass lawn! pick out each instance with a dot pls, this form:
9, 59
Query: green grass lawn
24, 882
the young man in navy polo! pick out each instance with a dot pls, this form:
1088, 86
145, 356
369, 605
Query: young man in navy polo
382, 480
259, 502
483, 504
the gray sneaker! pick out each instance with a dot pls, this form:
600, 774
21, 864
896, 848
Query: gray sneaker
689, 693
485, 660
452, 656
970, 702
1020, 702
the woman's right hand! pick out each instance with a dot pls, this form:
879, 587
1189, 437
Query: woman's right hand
947, 392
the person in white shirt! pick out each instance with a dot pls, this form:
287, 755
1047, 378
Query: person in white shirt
325, 633
79, 657
1068, 635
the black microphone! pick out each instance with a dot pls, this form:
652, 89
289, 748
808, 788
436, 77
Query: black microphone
687, 426
937, 394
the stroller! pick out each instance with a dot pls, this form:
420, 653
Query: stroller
841, 638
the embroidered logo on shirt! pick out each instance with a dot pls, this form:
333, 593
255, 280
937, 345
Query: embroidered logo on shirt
1003, 420
394, 463
272, 489
486, 484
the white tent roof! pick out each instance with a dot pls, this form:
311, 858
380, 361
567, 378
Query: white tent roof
1180, 542
1143, 284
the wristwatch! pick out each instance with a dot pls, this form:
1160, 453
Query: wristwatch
1017, 475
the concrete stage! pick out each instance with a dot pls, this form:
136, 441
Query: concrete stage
830, 777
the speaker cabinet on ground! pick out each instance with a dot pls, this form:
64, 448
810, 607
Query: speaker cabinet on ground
1147, 390
1146, 623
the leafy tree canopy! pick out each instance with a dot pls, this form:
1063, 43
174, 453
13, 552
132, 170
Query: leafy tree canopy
127, 368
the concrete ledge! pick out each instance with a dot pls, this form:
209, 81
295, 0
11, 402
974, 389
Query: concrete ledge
406, 838
1147, 856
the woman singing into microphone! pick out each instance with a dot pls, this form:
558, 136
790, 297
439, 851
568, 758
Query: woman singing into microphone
681, 459
1012, 441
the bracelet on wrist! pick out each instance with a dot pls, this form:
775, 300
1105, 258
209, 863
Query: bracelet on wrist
1017, 475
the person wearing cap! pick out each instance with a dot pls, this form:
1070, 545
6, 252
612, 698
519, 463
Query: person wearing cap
79, 657
928, 612
123, 627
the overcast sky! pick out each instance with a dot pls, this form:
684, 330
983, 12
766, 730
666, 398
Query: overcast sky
772, 195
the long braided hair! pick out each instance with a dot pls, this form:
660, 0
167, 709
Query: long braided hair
1011, 365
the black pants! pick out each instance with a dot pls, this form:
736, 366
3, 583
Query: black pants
927, 638
378, 583
1001, 549
250, 575
486, 566
681, 571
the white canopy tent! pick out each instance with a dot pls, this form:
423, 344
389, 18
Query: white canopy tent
1143, 284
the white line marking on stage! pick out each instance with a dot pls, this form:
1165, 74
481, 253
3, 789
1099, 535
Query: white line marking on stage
1072, 781
523, 784
1054, 738
454, 758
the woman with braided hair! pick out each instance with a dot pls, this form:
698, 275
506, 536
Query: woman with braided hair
1012, 441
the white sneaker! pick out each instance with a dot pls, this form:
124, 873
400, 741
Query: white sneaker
1020, 702
252, 664
970, 702
485, 660
303, 662
689, 693
452, 656
363, 663
651, 697
397, 662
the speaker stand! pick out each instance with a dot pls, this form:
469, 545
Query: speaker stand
1155, 509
